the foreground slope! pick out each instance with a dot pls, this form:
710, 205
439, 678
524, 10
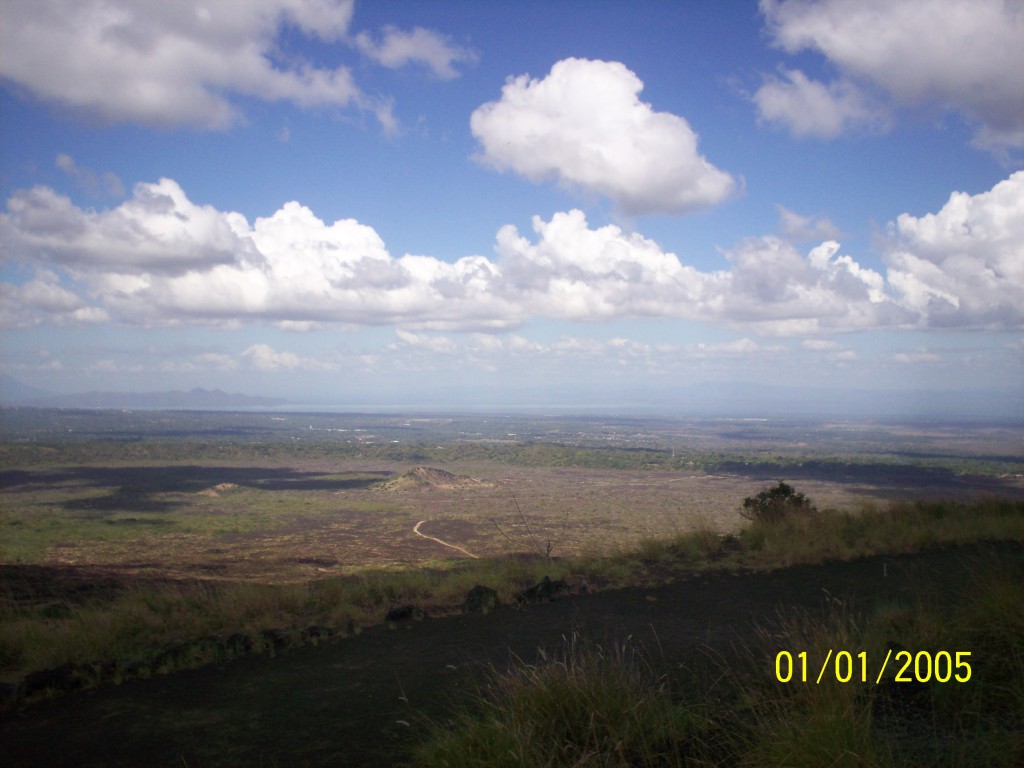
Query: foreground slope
365, 700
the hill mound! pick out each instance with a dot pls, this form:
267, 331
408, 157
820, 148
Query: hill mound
218, 489
431, 477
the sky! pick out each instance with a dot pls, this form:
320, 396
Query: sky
557, 204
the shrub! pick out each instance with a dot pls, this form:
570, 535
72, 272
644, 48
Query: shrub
773, 504
590, 707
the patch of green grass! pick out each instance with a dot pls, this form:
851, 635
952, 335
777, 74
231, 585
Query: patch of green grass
930, 719
900, 527
25, 538
586, 706
102, 524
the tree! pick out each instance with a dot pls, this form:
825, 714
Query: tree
773, 504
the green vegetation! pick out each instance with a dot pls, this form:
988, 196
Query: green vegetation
589, 706
773, 504
899, 527
127, 516
976, 723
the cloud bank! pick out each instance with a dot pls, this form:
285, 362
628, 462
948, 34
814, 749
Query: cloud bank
160, 259
584, 125
184, 63
961, 55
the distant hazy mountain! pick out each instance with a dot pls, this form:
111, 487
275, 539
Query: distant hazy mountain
14, 393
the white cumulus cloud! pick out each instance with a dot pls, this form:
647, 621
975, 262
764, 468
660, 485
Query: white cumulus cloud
584, 125
964, 265
780, 291
157, 229
575, 272
160, 259
964, 55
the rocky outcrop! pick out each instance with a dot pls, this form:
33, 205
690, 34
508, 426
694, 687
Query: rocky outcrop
432, 477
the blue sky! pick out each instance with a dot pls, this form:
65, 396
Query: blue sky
557, 203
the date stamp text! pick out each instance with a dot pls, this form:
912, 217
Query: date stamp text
850, 667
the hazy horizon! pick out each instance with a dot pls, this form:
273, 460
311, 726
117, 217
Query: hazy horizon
714, 401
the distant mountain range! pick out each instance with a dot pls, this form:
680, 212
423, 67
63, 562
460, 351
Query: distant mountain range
13, 392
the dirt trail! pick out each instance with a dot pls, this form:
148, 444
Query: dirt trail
364, 700
418, 532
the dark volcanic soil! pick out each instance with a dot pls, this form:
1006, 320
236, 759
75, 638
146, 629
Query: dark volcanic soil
362, 701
